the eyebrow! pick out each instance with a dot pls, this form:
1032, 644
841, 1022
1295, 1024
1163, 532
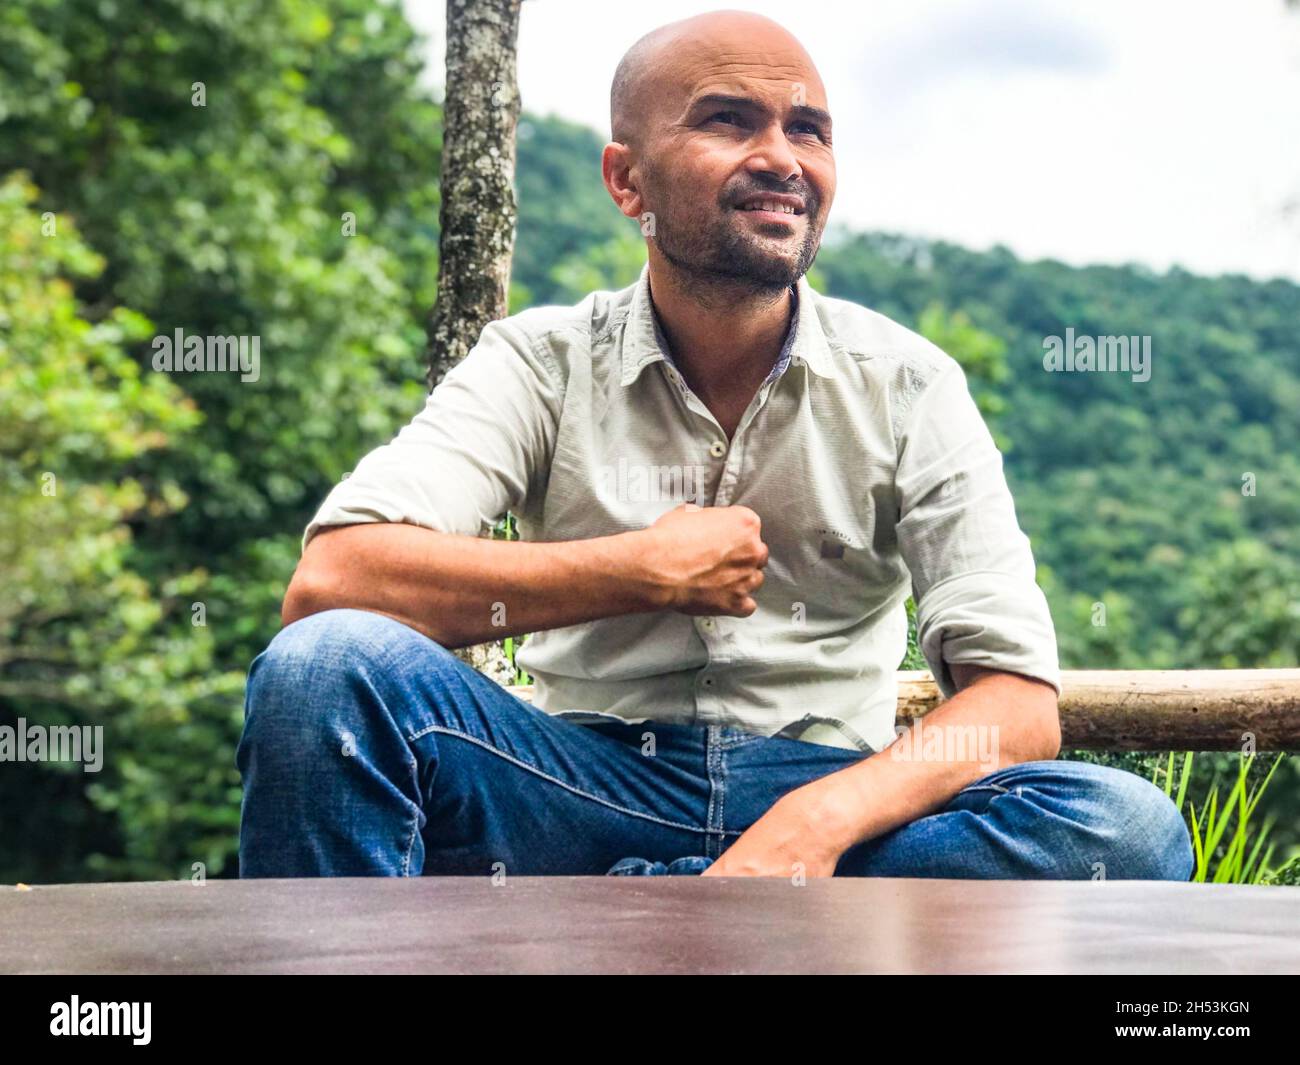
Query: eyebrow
805, 111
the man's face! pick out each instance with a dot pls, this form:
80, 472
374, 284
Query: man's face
749, 130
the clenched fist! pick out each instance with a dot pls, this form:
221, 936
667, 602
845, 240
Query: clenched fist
704, 560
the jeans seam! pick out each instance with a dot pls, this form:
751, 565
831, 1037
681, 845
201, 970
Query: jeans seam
722, 786
727, 743
415, 824
713, 761
554, 780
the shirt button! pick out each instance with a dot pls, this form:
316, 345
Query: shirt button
707, 623
708, 682
717, 449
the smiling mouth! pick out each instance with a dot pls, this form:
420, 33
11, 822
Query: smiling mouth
779, 216
765, 207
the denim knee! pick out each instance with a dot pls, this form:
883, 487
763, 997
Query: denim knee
1149, 836
309, 664
334, 639
1167, 832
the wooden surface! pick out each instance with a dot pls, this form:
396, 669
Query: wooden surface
1149, 710
649, 924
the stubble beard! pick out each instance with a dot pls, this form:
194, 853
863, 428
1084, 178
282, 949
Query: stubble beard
714, 252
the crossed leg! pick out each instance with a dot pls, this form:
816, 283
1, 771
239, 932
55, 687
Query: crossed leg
369, 750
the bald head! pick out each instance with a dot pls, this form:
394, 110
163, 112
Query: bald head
721, 149
655, 74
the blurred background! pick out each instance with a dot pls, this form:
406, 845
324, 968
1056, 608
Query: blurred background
1007, 171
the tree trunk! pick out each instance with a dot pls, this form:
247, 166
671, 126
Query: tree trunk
477, 218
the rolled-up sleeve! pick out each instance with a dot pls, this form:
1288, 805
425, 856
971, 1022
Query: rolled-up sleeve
972, 568
480, 446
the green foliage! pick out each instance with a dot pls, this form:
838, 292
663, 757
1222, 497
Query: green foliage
507, 529
1287, 875
565, 214
85, 639
1244, 607
1235, 857
912, 657
298, 204
613, 265
982, 355
1090, 629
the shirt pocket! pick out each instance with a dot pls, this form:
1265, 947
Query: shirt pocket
843, 574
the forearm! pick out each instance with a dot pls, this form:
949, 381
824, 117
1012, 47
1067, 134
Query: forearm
463, 590
999, 719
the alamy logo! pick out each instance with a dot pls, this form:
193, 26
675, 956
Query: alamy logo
201, 354
53, 743
636, 482
102, 1018
1108, 354
946, 743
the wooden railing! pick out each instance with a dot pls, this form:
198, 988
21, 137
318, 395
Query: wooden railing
1150, 710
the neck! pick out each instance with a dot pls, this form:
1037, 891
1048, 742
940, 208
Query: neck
725, 338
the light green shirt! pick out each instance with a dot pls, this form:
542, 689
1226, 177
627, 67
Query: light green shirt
863, 454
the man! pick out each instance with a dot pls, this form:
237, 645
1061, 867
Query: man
726, 486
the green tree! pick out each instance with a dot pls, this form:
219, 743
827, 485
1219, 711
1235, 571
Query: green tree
85, 640
1243, 608
246, 168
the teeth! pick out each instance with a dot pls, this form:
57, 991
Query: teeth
765, 205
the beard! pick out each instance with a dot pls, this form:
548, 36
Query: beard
716, 248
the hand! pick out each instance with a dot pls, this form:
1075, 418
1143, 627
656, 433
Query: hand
703, 560
790, 839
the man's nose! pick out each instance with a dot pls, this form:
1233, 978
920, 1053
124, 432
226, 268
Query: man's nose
773, 155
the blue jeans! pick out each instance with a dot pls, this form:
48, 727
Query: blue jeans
370, 750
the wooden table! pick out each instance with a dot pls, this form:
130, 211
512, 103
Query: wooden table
648, 924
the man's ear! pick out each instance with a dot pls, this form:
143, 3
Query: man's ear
616, 170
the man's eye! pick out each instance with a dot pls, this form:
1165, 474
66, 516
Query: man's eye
723, 114
810, 126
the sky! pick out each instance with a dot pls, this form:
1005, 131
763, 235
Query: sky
1107, 131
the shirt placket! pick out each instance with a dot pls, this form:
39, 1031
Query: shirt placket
720, 634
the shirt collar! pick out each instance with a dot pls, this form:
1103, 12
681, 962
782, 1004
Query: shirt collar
644, 342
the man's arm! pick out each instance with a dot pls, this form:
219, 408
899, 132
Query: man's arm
1012, 717
402, 534
996, 720
461, 590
